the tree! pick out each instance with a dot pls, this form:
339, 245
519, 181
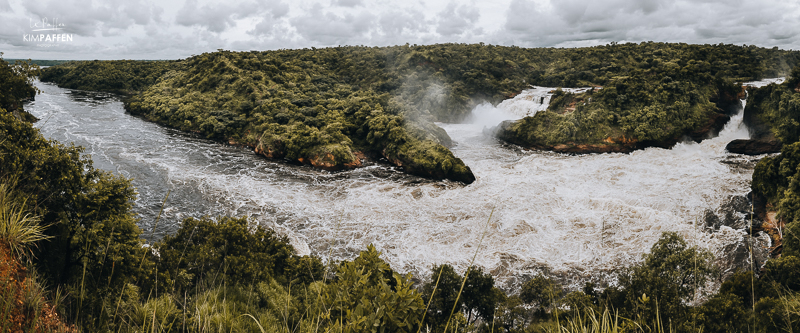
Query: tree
367, 296
669, 277
228, 249
479, 297
94, 248
16, 86
541, 292
444, 286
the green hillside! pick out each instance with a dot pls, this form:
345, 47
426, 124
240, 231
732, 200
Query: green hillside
336, 108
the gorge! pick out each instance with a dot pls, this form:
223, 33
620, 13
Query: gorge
577, 217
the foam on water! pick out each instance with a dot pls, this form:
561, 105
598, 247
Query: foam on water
580, 216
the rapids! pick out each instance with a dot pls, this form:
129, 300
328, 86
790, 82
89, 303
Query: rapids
578, 217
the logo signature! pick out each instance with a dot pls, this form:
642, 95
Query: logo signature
46, 25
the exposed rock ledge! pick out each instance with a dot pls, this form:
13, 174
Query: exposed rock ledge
754, 147
327, 161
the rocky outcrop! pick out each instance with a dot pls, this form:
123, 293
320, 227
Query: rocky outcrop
465, 176
410, 164
419, 164
325, 160
24, 116
713, 125
759, 130
766, 219
762, 139
754, 147
728, 98
505, 132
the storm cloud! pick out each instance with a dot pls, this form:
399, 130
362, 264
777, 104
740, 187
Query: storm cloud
149, 29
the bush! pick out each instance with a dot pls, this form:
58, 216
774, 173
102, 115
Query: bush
18, 229
668, 278
724, 313
541, 292
230, 250
479, 297
366, 295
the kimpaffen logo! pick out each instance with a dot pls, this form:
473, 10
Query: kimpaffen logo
52, 26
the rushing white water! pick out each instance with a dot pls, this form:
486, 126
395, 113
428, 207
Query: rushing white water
533, 100
581, 217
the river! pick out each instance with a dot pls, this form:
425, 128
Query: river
580, 218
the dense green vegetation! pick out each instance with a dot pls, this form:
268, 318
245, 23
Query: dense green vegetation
16, 87
229, 275
39, 62
655, 95
326, 106
118, 76
285, 104
776, 110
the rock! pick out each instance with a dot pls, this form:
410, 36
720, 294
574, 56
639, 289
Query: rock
758, 129
418, 164
737, 256
464, 175
734, 213
24, 116
274, 151
754, 147
711, 220
712, 127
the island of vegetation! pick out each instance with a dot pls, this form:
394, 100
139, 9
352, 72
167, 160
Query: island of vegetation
647, 95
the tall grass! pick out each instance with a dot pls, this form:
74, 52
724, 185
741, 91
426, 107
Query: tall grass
18, 229
23, 294
590, 321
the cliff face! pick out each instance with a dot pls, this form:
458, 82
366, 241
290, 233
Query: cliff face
762, 117
773, 116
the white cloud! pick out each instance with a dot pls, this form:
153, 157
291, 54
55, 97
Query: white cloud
177, 29
319, 25
348, 3
735, 21
456, 20
86, 18
215, 17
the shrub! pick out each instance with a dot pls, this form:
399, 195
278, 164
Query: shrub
668, 278
366, 295
230, 250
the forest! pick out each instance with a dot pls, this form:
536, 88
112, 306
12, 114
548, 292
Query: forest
38, 62
75, 259
336, 107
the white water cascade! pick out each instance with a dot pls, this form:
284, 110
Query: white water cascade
580, 217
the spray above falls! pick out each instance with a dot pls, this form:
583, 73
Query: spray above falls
526, 104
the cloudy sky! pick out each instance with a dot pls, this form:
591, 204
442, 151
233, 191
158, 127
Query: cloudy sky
171, 29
